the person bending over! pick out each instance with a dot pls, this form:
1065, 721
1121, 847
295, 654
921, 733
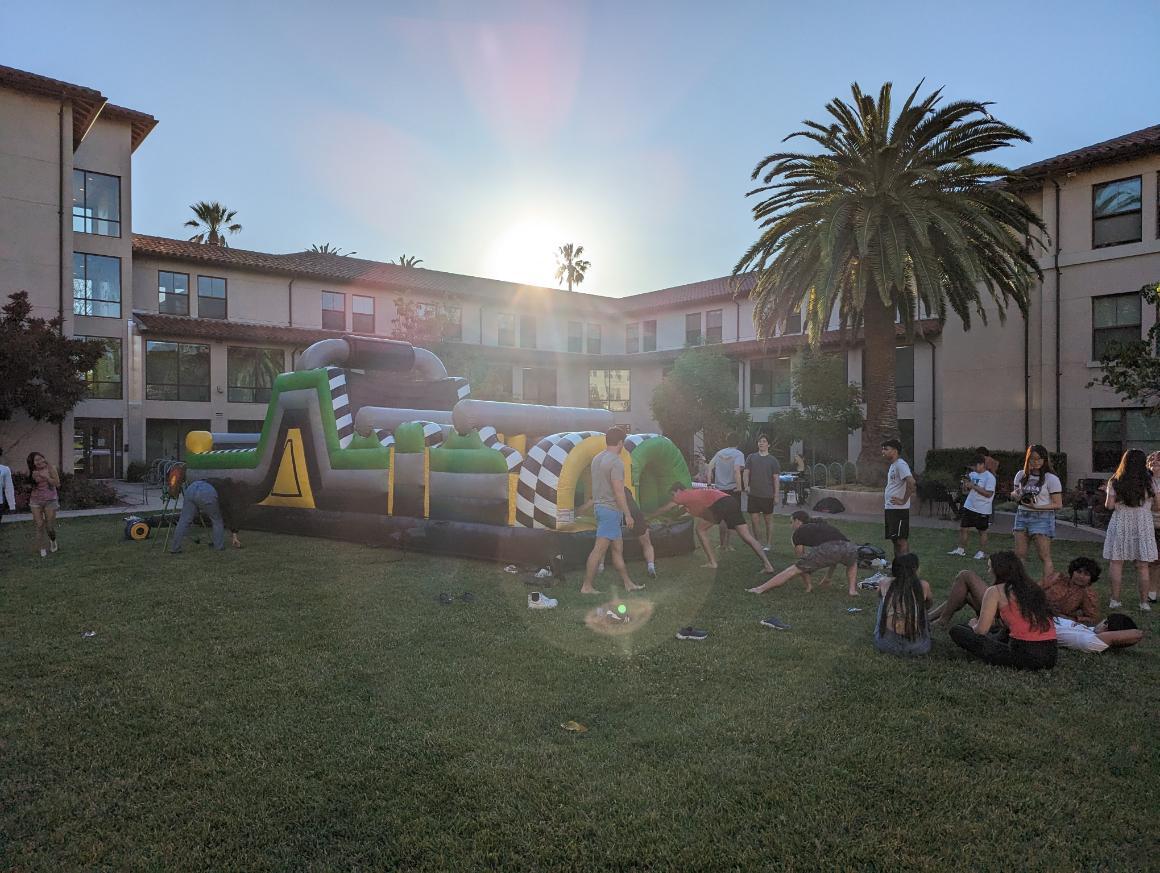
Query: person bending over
902, 627
1021, 604
712, 507
828, 547
223, 501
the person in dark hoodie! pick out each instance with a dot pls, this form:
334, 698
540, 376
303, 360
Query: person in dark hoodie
223, 501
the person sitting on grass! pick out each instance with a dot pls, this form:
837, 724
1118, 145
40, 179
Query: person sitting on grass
1030, 643
712, 507
1117, 631
1072, 595
828, 547
902, 627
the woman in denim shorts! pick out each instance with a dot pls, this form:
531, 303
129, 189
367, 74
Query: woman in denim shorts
44, 501
1039, 493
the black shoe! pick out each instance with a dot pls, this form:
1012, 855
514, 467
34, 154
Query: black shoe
774, 622
446, 598
691, 633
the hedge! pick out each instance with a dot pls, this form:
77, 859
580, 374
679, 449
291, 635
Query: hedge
955, 461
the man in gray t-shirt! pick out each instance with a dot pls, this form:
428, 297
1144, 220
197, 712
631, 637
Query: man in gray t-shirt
611, 511
762, 486
605, 468
725, 472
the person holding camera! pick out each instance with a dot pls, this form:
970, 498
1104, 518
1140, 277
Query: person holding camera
1039, 493
979, 486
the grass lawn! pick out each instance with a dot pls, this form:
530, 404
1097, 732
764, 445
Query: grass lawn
309, 705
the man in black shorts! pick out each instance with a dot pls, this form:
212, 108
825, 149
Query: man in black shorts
899, 490
828, 547
712, 507
761, 485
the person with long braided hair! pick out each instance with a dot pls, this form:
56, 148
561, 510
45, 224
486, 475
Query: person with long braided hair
902, 627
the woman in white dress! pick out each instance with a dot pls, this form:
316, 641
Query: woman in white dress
1131, 535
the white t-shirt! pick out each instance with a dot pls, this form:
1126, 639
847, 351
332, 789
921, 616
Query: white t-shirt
722, 465
6, 492
896, 478
1042, 486
975, 501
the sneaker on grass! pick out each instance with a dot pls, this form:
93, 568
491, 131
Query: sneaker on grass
1114, 604
980, 555
691, 633
960, 552
1145, 606
774, 622
538, 600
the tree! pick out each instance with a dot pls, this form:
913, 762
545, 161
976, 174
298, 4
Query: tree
44, 371
826, 404
569, 265
1132, 369
212, 221
408, 261
699, 394
894, 216
327, 249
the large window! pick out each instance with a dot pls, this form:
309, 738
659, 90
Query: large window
648, 337
453, 322
104, 379
250, 373
539, 385
793, 323
96, 203
904, 374
1115, 319
1116, 212
632, 338
506, 329
172, 293
97, 446
595, 337
609, 389
165, 437
769, 382
362, 314
176, 371
906, 437
575, 336
713, 326
693, 329
96, 285
1114, 431
211, 297
333, 310
527, 331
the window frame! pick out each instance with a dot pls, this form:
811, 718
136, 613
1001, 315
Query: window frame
719, 328
1123, 443
1138, 326
1099, 185
256, 388
88, 374
594, 341
174, 294
324, 309
355, 314
698, 338
770, 394
180, 383
793, 321
526, 341
576, 348
505, 323
620, 405
89, 299
897, 383
645, 333
86, 219
632, 338
225, 298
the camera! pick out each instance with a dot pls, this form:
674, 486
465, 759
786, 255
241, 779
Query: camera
1028, 495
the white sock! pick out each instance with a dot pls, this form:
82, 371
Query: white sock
651, 565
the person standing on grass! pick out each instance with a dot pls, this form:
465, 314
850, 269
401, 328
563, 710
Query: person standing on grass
980, 490
899, 490
611, 512
1039, 493
902, 627
44, 502
828, 547
726, 471
712, 507
1154, 569
762, 484
1131, 535
7, 492
638, 531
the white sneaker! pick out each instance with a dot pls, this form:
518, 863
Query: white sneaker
980, 555
54, 546
1152, 596
960, 551
1145, 606
44, 553
1114, 604
536, 600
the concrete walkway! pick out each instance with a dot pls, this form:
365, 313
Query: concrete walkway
133, 499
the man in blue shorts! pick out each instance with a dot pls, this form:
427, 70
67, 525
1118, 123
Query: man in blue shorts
611, 511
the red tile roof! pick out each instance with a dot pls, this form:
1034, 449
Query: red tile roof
1120, 148
218, 329
723, 288
140, 122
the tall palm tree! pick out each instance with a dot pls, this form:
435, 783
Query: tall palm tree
327, 249
408, 261
569, 265
891, 215
213, 220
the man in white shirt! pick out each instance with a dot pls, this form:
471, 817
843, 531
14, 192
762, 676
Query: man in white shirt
899, 490
725, 474
979, 486
7, 494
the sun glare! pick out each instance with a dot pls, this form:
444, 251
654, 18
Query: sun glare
526, 252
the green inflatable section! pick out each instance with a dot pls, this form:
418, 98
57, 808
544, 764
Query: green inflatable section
656, 464
466, 453
409, 438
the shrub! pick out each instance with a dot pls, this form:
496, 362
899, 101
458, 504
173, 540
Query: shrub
136, 471
76, 492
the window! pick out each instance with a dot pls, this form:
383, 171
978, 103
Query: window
250, 373
1114, 431
793, 323
1116, 213
769, 382
211, 297
713, 326
507, 329
904, 374
246, 425
97, 446
176, 371
1115, 319
453, 323
575, 336
172, 293
649, 336
165, 437
96, 285
594, 338
104, 379
632, 338
540, 385
333, 310
906, 437
693, 329
96, 203
527, 331
362, 314
608, 389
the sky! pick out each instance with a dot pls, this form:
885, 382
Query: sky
480, 136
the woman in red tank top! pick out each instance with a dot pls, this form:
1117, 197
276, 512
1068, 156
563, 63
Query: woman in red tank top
1021, 604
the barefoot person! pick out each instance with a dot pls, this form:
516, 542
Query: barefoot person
726, 469
44, 502
712, 507
828, 547
611, 512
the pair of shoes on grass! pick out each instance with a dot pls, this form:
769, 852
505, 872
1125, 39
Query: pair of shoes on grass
960, 552
539, 600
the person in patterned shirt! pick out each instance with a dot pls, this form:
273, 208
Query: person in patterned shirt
1072, 595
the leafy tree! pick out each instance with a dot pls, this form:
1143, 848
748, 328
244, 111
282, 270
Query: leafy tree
44, 371
408, 261
1132, 370
896, 212
699, 394
482, 374
212, 222
327, 249
570, 266
826, 405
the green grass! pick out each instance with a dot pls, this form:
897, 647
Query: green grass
308, 705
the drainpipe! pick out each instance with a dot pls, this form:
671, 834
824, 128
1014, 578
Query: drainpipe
290, 303
1058, 326
933, 392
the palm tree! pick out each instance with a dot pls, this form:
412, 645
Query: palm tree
213, 220
327, 249
409, 261
890, 216
569, 266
